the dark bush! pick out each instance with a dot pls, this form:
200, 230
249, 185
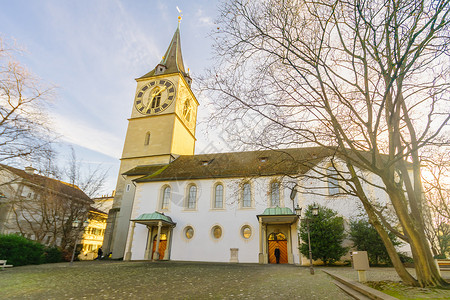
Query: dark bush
20, 251
53, 255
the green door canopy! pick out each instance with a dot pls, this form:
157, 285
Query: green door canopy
154, 218
278, 215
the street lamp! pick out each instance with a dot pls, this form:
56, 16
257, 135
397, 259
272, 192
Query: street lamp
75, 225
315, 212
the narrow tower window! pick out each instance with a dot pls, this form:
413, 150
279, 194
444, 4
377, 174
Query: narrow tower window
147, 139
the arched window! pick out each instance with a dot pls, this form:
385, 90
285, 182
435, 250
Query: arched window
333, 184
147, 139
165, 198
277, 236
275, 193
246, 195
192, 197
218, 196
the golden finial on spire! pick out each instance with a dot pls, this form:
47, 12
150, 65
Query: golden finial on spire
179, 17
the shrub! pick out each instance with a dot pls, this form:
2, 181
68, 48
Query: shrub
327, 234
20, 251
366, 238
53, 255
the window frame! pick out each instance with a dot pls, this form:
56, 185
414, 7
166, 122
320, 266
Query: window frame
185, 230
188, 197
163, 197
241, 232
332, 181
243, 195
212, 231
214, 196
271, 193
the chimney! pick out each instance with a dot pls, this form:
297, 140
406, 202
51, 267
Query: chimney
30, 170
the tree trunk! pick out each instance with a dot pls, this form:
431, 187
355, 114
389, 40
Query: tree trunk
426, 269
373, 219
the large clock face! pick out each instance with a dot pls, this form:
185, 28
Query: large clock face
155, 96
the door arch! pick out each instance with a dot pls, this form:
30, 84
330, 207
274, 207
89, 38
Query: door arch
277, 240
162, 245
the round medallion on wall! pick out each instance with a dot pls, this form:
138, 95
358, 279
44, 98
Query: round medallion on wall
155, 97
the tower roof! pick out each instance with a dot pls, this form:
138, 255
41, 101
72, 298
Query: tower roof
172, 59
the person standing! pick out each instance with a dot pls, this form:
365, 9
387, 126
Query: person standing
277, 255
99, 253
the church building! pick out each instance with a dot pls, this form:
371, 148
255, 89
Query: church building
171, 204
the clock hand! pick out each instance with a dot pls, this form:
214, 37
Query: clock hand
153, 97
150, 100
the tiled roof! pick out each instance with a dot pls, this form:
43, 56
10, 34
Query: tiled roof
50, 183
235, 164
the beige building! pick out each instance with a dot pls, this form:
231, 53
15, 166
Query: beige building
40, 208
93, 234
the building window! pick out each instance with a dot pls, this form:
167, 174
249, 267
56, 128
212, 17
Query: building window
246, 232
147, 139
216, 232
275, 194
189, 232
165, 198
192, 197
246, 195
218, 196
333, 184
128, 188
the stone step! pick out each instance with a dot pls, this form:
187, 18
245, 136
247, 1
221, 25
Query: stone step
354, 294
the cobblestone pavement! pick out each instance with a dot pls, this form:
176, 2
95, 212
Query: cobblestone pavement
165, 280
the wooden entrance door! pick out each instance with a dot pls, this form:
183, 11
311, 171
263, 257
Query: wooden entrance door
162, 245
277, 240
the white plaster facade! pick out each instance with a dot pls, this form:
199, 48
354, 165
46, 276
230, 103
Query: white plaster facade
231, 218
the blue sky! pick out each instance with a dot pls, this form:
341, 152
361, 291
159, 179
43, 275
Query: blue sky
93, 50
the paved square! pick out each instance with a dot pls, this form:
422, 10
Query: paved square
165, 280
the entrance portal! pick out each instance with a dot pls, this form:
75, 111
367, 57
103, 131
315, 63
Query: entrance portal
277, 240
162, 245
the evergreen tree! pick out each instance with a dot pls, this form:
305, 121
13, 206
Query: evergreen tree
366, 238
326, 232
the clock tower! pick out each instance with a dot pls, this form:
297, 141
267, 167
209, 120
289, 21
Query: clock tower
161, 127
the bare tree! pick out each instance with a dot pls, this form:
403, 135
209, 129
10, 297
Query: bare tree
42, 208
24, 126
367, 80
437, 193
90, 181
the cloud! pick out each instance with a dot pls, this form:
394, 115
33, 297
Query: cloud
203, 20
75, 131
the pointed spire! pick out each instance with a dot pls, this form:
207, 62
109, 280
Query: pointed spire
172, 61
173, 58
